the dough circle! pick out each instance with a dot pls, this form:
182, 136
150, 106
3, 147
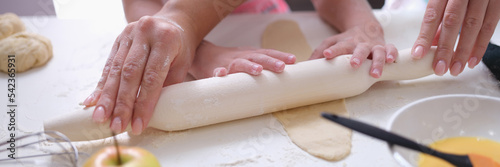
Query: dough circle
316, 135
10, 24
304, 125
31, 50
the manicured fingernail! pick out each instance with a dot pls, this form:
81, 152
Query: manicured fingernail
418, 53
455, 68
355, 62
440, 68
116, 125
279, 65
137, 126
291, 59
99, 114
255, 69
217, 73
88, 100
376, 73
390, 58
327, 52
472, 62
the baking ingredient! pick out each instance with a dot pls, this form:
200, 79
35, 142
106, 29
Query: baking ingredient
10, 24
130, 157
315, 135
304, 125
286, 36
461, 145
30, 50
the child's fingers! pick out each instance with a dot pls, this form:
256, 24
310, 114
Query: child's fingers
268, 62
378, 54
220, 72
360, 54
287, 58
319, 51
392, 53
246, 66
339, 49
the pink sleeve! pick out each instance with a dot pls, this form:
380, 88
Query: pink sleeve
263, 6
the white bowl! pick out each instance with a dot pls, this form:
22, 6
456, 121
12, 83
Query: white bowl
434, 118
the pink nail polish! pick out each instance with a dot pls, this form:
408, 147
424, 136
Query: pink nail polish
137, 126
440, 68
390, 58
217, 73
291, 59
355, 62
456, 68
327, 52
279, 64
116, 125
376, 73
472, 62
418, 53
255, 69
88, 100
99, 115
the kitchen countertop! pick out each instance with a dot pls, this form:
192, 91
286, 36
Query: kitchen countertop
81, 48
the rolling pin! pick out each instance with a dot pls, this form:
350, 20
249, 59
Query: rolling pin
214, 100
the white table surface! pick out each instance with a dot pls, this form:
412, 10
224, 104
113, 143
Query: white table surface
82, 46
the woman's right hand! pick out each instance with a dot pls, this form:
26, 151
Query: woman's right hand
149, 54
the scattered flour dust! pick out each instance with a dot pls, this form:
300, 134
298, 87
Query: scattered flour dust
149, 136
243, 162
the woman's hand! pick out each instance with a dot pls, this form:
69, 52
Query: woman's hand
217, 61
475, 20
362, 42
149, 54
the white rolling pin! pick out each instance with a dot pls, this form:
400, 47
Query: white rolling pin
236, 96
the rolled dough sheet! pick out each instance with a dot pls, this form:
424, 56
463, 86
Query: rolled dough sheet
304, 125
286, 36
315, 135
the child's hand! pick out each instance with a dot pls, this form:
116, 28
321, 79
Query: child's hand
217, 61
362, 42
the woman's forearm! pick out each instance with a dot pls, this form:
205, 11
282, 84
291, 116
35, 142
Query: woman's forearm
135, 9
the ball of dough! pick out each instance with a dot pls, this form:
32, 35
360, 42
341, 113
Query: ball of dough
31, 50
10, 24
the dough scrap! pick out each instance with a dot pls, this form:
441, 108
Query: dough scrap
10, 24
304, 125
31, 50
315, 135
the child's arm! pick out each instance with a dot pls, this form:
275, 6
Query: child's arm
135, 9
361, 34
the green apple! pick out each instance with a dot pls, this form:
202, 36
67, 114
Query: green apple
130, 157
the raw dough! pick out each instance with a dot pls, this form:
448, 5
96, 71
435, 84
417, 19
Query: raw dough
315, 135
306, 128
285, 36
10, 24
31, 50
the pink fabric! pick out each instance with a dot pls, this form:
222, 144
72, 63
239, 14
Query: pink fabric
263, 6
